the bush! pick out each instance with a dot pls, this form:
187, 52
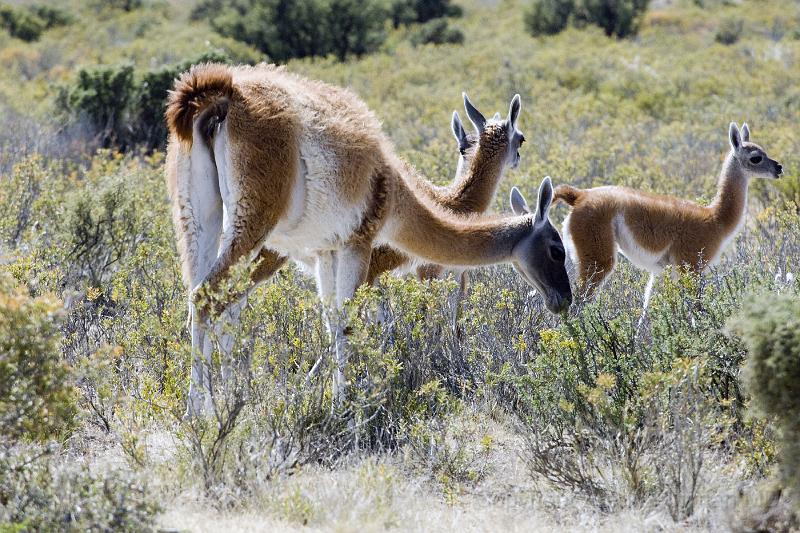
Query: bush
620, 18
124, 5
29, 23
36, 398
51, 16
411, 11
548, 17
284, 29
21, 23
770, 326
41, 490
101, 95
729, 31
125, 108
436, 31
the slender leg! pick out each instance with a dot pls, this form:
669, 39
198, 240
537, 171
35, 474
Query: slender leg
648, 292
267, 263
326, 287
201, 223
351, 266
463, 280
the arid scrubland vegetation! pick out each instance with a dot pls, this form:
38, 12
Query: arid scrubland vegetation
519, 420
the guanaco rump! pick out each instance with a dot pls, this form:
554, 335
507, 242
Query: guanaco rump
259, 158
655, 231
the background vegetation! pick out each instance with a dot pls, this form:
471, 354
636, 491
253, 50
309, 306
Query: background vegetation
518, 419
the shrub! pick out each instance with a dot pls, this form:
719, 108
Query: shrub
436, 31
284, 29
125, 108
36, 398
43, 490
51, 16
620, 18
547, 17
102, 95
21, 23
411, 11
354, 27
125, 5
729, 31
770, 326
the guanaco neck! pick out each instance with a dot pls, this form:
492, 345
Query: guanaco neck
421, 228
730, 202
474, 190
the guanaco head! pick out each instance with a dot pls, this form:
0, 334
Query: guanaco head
498, 134
539, 256
751, 157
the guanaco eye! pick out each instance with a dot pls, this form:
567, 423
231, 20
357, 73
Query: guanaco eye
756, 159
557, 253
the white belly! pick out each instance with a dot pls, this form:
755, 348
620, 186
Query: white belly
636, 254
319, 217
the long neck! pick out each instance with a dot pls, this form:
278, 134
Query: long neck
423, 229
474, 188
731, 200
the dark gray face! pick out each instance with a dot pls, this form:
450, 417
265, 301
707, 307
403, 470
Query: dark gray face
542, 265
752, 157
540, 257
755, 160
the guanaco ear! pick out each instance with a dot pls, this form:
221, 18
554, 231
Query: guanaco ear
545, 199
518, 204
475, 116
745, 133
513, 111
496, 116
459, 133
735, 136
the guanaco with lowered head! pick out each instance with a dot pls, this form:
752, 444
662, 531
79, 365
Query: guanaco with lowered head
484, 156
259, 158
655, 231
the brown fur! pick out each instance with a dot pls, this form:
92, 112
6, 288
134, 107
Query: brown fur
471, 192
688, 234
262, 105
196, 89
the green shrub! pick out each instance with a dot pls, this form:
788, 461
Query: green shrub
284, 29
101, 95
42, 490
412, 11
36, 391
124, 108
619, 18
547, 17
124, 5
436, 31
770, 326
21, 23
52, 16
729, 31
